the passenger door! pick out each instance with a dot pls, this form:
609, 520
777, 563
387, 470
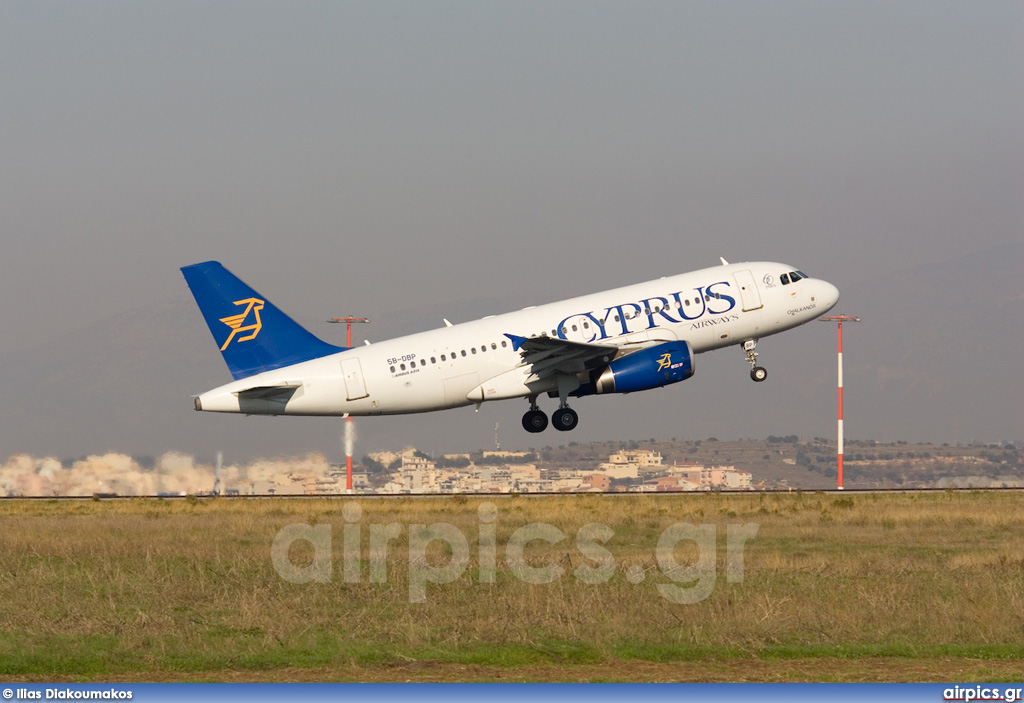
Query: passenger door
355, 386
749, 295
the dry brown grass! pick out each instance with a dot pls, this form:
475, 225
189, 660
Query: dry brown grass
153, 589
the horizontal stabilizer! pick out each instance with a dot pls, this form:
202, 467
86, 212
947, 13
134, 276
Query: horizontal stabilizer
268, 392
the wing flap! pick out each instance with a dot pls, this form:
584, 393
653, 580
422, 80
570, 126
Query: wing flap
547, 356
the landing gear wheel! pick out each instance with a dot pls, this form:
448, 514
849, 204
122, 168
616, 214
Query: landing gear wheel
565, 419
535, 421
758, 373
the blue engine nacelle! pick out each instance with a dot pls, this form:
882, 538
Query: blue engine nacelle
658, 366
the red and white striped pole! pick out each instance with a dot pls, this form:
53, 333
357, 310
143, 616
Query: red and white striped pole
839, 431
349, 430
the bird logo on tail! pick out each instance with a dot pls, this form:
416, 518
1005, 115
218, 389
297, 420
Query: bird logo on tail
237, 322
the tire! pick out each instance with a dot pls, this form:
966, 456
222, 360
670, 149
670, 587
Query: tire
535, 421
758, 373
565, 419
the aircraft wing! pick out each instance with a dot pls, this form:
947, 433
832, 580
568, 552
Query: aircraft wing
549, 355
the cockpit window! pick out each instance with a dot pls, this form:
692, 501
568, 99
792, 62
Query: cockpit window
785, 279
794, 276
803, 275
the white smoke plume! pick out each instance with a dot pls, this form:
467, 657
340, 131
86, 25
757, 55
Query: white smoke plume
350, 436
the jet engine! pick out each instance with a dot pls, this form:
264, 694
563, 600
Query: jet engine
653, 367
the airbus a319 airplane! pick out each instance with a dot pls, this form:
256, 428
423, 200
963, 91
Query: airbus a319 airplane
628, 339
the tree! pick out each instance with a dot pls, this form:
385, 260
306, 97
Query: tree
373, 466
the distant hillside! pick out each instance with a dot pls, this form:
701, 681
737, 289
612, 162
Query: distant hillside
782, 462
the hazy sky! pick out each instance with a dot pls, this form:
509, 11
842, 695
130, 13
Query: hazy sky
412, 160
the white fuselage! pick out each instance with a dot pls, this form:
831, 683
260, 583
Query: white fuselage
451, 366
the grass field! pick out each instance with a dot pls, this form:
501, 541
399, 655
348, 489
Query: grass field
833, 588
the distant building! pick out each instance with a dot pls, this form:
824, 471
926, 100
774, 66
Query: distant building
596, 482
620, 470
673, 484
411, 459
711, 477
736, 480
523, 472
640, 457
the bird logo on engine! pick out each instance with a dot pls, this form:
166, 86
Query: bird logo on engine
665, 361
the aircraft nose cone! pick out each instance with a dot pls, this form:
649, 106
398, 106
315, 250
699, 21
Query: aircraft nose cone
829, 295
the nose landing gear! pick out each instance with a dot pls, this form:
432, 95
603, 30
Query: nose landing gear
757, 373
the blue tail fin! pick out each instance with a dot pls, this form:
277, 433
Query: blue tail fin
252, 334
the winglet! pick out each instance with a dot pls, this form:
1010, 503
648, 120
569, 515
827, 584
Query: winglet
517, 341
724, 262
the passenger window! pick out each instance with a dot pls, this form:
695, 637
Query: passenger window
433, 360
586, 325
402, 367
423, 362
617, 318
444, 358
495, 346
483, 348
473, 349
392, 369
504, 343
574, 328
785, 279
463, 352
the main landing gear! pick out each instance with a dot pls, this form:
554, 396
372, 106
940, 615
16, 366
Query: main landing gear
535, 420
564, 419
758, 373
